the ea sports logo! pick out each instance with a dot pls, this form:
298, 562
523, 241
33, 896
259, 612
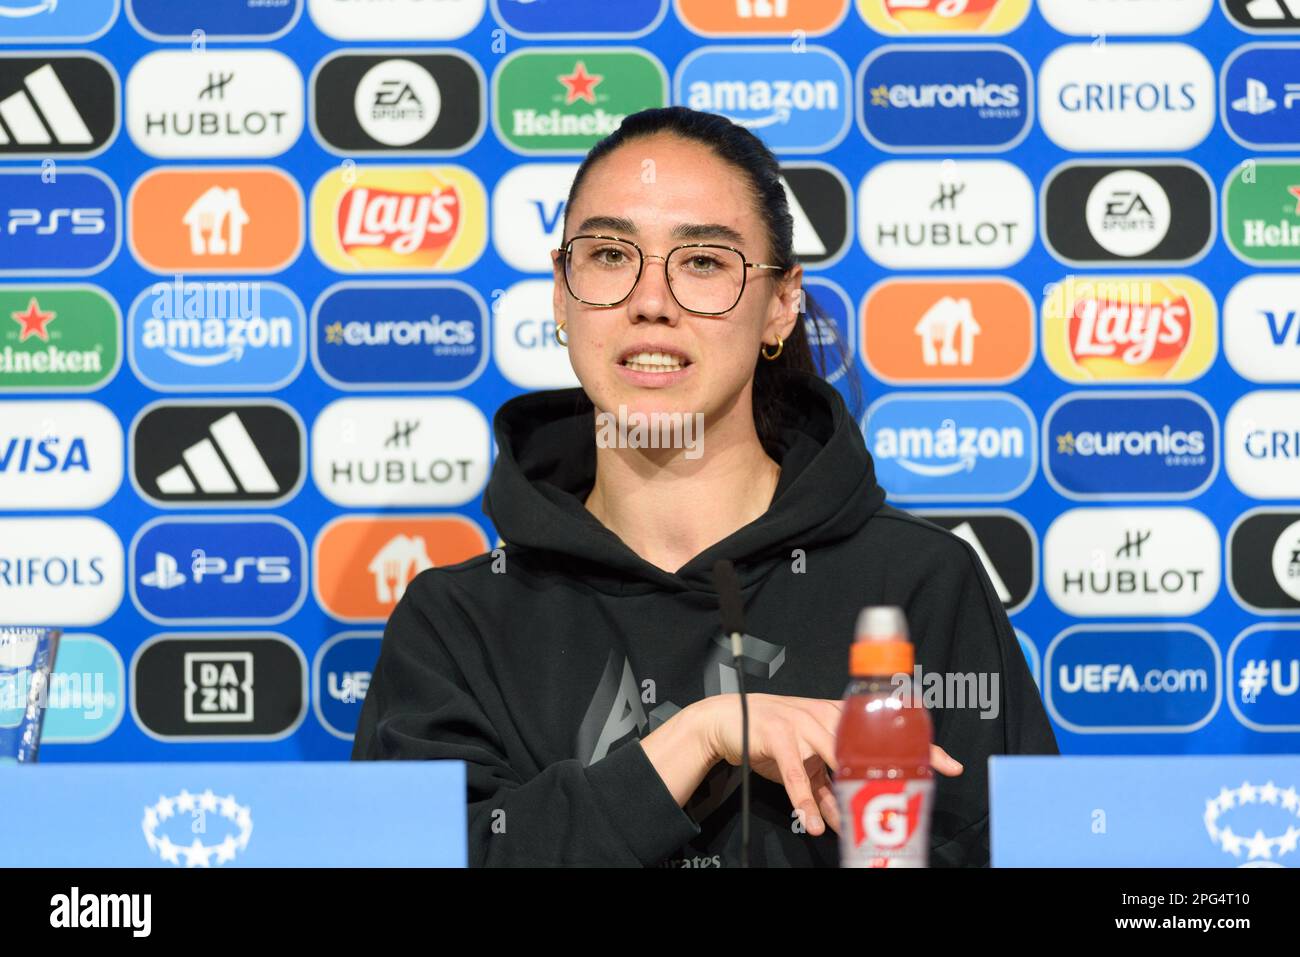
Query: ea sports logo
398, 102
1128, 213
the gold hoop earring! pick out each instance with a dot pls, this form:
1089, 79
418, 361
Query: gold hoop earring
558, 329
769, 356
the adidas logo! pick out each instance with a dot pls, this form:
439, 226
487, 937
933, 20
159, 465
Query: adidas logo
225, 463
1264, 11
42, 113
204, 453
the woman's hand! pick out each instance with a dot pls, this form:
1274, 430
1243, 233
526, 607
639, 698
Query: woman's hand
791, 742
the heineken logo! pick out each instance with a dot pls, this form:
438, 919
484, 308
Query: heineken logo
58, 337
564, 101
1261, 212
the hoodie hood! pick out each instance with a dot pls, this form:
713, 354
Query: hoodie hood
546, 467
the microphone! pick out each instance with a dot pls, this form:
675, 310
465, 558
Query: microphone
732, 608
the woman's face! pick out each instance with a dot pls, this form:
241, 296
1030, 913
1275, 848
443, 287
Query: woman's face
661, 192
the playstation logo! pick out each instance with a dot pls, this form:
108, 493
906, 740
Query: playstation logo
164, 574
1256, 101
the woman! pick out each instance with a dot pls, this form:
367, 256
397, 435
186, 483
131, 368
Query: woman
580, 672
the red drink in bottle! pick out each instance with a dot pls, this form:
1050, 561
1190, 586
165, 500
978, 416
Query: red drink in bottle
884, 785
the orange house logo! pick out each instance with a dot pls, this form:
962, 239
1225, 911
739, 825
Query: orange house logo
940, 17
363, 563
1129, 329
962, 332
215, 220
399, 219
758, 17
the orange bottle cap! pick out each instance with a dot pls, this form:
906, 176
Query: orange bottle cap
881, 646
880, 658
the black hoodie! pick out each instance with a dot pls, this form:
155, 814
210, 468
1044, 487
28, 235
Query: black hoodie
543, 665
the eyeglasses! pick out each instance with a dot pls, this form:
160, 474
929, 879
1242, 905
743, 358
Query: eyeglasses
704, 278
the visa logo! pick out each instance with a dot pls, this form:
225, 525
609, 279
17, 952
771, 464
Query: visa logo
549, 220
1282, 327
43, 455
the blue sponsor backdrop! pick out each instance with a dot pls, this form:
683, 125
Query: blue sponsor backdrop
72, 220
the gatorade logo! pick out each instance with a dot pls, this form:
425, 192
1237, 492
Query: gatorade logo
890, 822
967, 332
943, 17
216, 220
1129, 329
884, 815
399, 219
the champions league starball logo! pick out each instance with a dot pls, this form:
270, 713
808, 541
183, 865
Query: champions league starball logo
1261, 850
198, 806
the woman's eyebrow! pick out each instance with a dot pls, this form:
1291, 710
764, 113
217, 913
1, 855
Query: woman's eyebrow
616, 224
697, 232
689, 232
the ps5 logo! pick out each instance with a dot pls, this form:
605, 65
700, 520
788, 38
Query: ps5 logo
81, 221
265, 569
200, 570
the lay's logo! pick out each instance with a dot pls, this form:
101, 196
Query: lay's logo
399, 219
940, 17
1129, 329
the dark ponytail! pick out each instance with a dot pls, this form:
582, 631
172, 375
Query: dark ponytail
748, 154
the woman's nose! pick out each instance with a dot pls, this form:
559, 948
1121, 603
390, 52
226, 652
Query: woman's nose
652, 299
